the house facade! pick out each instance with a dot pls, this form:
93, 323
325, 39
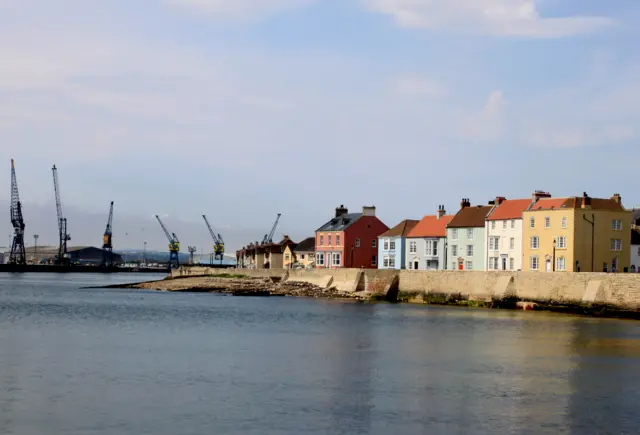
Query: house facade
304, 252
349, 239
392, 245
577, 234
503, 229
426, 242
466, 237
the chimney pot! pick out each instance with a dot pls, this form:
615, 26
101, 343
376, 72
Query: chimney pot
340, 211
441, 211
617, 198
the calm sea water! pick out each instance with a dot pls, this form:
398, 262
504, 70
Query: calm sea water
87, 361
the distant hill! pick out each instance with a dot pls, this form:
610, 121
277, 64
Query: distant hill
136, 256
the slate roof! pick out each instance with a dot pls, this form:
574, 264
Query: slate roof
340, 223
635, 216
307, 245
402, 229
576, 202
431, 226
635, 237
510, 209
470, 217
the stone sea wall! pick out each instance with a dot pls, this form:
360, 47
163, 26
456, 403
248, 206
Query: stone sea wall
621, 290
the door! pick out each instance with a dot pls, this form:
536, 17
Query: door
504, 263
416, 265
548, 265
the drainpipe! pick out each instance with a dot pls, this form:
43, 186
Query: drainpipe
593, 237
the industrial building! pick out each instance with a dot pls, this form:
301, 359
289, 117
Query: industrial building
85, 255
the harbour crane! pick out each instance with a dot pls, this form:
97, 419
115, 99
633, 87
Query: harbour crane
192, 250
107, 242
268, 238
63, 257
218, 243
17, 255
174, 245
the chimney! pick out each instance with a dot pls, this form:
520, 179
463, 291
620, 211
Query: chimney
617, 198
492, 202
586, 200
499, 200
441, 211
538, 194
369, 210
341, 211
465, 203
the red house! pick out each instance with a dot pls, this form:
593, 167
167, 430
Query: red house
349, 239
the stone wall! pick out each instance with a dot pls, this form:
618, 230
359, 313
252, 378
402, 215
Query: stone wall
619, 289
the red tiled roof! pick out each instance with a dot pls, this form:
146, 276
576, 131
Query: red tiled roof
431, 226
549, 203
509, 209
402, 229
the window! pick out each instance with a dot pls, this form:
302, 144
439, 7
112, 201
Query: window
532, 222
321, 240
392, 262
534, 263
413, 247
320, 259
336, 258
468, 265
512, 263
493, 225
454, 265
454, 234
454, 251
337, 240
374, 260
513, 223
616, 245
470, 233
329, 239
560, 263
564, 222
301, 256
385, 262
357, 243
374, 243
512, 243
504, 225
535, 242
494, 243
561, 242
431, 248
386, 244
469, 250
493, 263
616, 225
286, 257
392, 244
547, 222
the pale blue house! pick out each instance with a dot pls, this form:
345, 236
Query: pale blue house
391, 245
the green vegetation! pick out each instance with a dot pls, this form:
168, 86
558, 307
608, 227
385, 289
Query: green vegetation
229, 276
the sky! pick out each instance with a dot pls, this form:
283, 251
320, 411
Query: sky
242, 109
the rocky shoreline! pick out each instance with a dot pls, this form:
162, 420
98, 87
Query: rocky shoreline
238, 285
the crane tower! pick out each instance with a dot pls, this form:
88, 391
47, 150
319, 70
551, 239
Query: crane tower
218, 243
268, 238
174, 245
107, 242
63, 257
17, 255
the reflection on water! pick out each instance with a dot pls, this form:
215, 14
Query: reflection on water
87, 361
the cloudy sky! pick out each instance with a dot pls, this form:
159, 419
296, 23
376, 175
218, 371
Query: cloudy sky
241, 109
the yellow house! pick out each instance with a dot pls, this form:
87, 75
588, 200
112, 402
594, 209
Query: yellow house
289, 257
577, 234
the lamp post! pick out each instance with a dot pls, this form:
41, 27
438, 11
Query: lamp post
35, 248
144, 254
554, 256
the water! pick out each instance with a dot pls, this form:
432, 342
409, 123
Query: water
93, 361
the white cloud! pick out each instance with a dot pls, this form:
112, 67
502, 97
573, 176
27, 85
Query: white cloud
418, 86
239, 9
489, 124
490, 17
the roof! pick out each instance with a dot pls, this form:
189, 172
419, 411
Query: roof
402, 229
635, 236
340, 223
635, 215
307, 245
469, 217
510, 209
575, 202
431, 226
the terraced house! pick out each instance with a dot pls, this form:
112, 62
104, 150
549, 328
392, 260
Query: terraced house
392, 245
349, 239
578, 234
466, 237
426, 242
504, 232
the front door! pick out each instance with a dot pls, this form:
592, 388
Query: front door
416, 265
548, 265
504, 263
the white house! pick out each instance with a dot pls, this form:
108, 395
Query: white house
426, 244
503, 230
